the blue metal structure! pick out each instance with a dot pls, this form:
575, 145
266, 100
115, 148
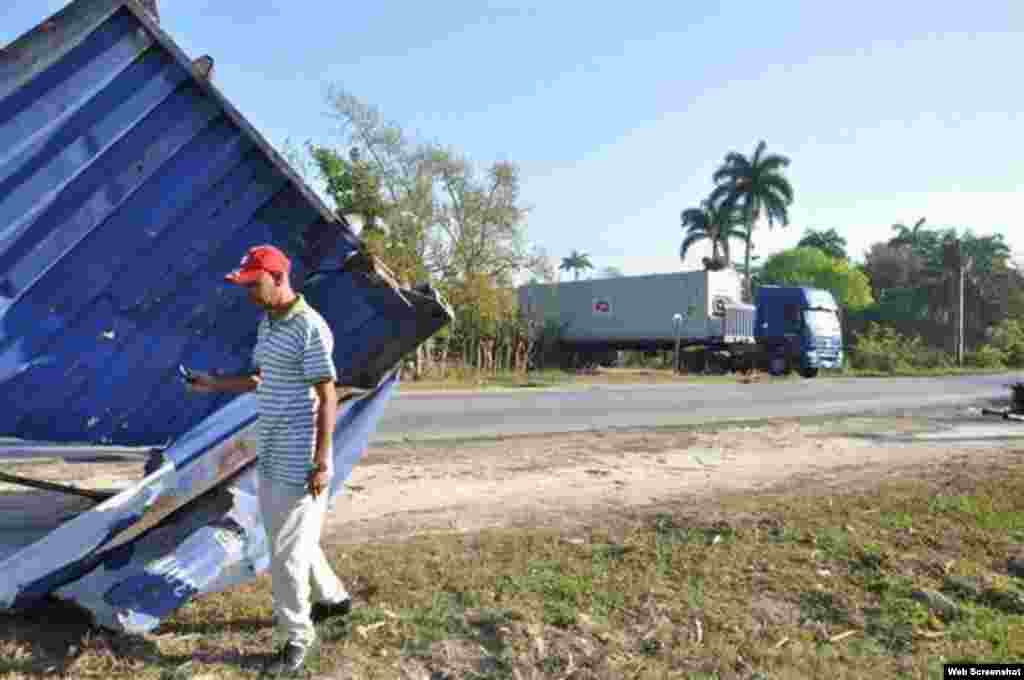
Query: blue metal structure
128, 186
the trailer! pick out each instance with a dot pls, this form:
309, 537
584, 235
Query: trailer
697, 313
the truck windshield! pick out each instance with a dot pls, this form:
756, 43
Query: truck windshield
822, 322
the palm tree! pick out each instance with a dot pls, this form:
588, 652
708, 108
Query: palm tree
755, 186
907, 236
576, 262
716, 224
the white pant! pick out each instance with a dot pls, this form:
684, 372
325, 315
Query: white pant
293, 521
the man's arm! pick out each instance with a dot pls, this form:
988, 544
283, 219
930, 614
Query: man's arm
326, 414
223, 383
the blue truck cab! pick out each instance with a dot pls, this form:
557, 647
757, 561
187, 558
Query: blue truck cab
799, 328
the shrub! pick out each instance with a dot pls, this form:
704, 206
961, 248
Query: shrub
1008, 336
931, 357
883, 349
986, 356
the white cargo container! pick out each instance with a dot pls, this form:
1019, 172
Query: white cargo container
637, 311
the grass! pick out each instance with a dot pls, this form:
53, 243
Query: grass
774, 587
910, 372
469, 379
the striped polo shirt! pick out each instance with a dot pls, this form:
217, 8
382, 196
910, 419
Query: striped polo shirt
293, 353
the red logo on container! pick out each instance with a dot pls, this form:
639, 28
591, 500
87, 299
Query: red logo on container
602, 306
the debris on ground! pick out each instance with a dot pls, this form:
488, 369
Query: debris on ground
1016, 409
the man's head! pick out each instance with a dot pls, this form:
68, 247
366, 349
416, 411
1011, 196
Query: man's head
264, 274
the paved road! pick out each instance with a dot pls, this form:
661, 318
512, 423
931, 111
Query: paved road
424, 416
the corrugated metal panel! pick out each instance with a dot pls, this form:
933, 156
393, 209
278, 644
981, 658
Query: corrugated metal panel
629, 309
128, 187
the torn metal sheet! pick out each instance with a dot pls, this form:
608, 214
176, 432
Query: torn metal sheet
129, 186
201, 516
216, 543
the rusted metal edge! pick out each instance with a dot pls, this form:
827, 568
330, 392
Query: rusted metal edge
374, 272
40, 47
91, 494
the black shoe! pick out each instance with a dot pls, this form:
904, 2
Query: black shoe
323, 611
291, 659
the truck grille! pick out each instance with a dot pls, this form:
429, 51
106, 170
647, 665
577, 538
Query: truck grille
829, 349
826, 344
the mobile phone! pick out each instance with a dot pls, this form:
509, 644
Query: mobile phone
186, 373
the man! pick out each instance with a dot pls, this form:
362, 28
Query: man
293, 375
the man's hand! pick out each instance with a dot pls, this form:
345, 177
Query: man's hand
204, 382
201, 382
319, 480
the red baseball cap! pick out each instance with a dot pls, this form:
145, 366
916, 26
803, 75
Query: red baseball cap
260, 259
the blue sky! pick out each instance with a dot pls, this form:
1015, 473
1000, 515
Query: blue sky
617, 116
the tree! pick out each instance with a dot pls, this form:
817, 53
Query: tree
891, 267
611, 273
915, 280
353, 185
1015, 291
813, 267
432, 215
827, 241
454, 218
756, 186
714, 223
908, 236
576, 262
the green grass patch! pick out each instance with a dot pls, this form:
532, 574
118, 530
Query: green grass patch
897, 520
987, 512
953, 504
784, 534
822, 607
444, 618
833, 543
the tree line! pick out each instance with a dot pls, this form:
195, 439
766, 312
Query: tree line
432, 214
907, 287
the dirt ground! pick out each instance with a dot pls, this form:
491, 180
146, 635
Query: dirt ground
594, 478
578, 479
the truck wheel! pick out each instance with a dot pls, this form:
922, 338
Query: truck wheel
809, 372
778, 366
697, 362
719, 364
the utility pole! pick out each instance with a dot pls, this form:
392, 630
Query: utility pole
677, 321
956, 260
960, 316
